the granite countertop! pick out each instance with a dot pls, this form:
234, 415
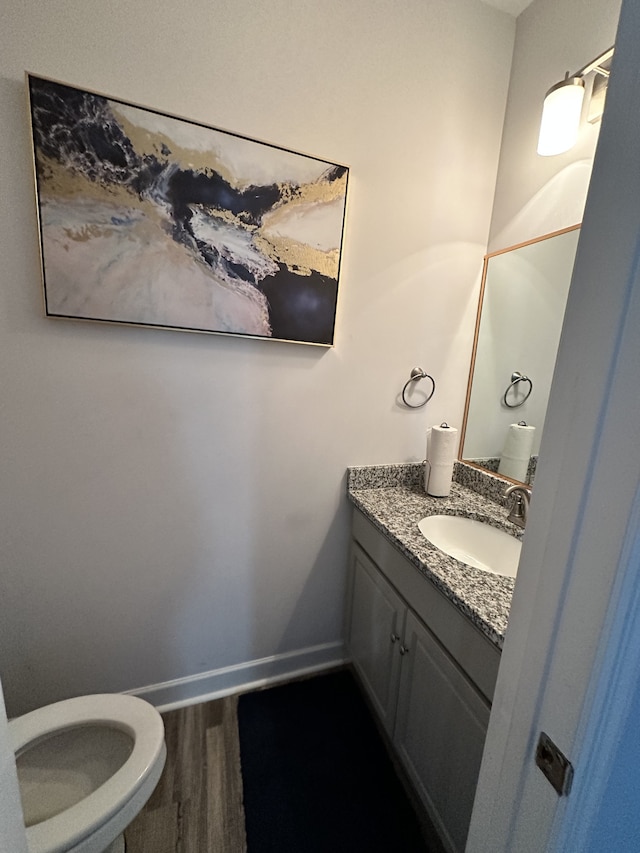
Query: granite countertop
393, 498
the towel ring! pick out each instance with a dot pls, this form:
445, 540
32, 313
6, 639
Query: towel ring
417, 374
516, 378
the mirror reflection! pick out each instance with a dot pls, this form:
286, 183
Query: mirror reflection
522, 303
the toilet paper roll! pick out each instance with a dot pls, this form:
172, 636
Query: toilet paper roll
516, 453
442, 443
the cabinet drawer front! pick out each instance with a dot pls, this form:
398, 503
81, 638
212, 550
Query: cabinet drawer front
377, 616
441, 726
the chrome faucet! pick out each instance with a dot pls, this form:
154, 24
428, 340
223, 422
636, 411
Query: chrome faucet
520, 507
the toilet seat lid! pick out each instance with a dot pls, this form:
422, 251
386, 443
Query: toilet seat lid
137, 718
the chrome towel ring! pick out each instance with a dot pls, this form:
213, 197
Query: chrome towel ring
516, 378
417, 374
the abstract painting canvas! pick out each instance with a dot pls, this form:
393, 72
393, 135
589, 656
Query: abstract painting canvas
153, 220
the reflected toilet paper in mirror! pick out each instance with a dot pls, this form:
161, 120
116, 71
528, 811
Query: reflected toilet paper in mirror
516, 454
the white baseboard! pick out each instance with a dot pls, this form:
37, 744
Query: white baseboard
169, 695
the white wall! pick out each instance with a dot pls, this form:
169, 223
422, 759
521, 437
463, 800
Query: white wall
537, 195
172, 503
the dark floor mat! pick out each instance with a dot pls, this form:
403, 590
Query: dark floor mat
316, 774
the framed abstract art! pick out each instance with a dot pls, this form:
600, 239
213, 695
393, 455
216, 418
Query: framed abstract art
153, 220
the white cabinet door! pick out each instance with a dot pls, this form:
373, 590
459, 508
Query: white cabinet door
375, 635
440, 732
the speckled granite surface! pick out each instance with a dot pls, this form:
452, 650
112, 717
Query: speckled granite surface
490, 486
492, 465
385, 476
392, 497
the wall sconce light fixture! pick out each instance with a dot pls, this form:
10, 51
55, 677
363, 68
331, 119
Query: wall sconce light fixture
563, 106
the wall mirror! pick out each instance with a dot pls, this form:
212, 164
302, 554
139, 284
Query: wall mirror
521, 309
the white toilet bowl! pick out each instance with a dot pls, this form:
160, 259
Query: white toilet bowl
86, 767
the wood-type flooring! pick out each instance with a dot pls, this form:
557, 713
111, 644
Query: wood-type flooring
197, 805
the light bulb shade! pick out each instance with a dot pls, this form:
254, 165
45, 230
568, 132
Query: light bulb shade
561, 117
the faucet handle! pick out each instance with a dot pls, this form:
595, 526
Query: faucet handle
518, 487
519, 510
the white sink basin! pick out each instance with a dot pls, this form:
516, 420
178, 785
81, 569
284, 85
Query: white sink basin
473, 542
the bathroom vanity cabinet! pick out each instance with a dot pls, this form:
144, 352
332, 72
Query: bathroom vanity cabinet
429, 673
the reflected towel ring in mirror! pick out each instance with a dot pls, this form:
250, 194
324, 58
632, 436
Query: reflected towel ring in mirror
516, 378
417, 374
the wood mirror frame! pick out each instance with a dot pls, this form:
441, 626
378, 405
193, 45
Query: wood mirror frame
548, 330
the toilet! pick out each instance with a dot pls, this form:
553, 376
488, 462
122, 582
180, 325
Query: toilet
86, 766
